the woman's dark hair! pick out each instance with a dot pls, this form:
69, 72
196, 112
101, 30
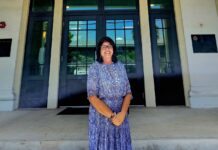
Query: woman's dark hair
98, 49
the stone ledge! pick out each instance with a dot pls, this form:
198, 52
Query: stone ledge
160, 144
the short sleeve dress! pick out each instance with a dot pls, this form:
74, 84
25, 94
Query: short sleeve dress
110, 83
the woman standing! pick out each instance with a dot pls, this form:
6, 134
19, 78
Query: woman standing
109, 94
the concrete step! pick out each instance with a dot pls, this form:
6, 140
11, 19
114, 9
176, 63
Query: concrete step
159, 144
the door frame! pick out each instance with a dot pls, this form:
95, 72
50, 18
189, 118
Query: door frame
25, 74
175, 55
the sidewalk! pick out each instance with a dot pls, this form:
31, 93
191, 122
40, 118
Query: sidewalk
151, 128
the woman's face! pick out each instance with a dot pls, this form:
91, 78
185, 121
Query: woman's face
106, 52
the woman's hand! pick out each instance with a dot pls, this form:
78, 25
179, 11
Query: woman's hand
118, 119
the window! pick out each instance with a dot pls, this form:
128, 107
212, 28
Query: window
72, 5
160, 4
39, 6
122, 32
38, 47
81, 46
120, 4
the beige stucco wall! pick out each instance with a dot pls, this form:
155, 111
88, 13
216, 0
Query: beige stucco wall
10, 12
200, 17
216, 6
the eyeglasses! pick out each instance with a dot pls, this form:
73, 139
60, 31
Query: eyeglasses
106, 46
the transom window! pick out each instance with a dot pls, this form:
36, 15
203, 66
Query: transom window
84, 5
81, 5
160, 4
119, 4
39, 6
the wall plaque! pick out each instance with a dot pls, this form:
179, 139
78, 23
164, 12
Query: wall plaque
5, 47
204, 43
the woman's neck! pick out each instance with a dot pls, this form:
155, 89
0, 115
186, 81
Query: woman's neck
107, 62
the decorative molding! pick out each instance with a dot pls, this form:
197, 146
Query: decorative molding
6, 100
204, 96
204, 91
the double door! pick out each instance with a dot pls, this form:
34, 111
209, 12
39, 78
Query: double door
79, 39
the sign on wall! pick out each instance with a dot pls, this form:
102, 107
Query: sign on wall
204, 43
5, 47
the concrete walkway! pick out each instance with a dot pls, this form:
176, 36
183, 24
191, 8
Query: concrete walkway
175, 128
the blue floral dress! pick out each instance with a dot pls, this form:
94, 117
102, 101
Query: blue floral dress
110, 83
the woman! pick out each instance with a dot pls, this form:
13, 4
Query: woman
109, 94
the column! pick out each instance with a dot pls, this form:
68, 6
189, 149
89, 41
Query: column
147, 55
55, 55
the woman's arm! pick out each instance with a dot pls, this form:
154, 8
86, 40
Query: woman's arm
100, 106
119, 118
126, 103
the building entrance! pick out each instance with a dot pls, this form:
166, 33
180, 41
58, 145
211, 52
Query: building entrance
80, 34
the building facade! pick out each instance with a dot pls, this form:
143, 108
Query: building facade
169, 49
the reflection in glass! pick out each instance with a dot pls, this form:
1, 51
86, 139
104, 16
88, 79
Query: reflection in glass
39, 6
128, 24
124, 34
129, 37
120, 5
119, 24
91, 38
82, 38
72, 5
160, 4
38, 47
91, 25
111, 34
120, 37
82, 25
110, 24
121, 55
81, 47
163, 46
72, 38
73, 25
130, 59
158, 23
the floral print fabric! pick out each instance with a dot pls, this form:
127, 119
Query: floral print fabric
110, 83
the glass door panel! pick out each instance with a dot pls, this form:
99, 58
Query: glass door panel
166, 61
78, 53
37, 48
81, 46
122, 32
35, 76
163, 42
